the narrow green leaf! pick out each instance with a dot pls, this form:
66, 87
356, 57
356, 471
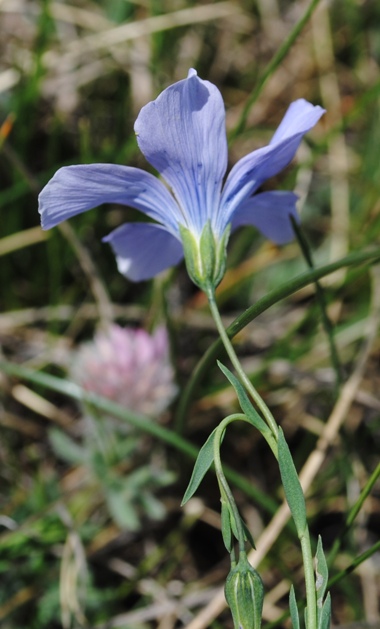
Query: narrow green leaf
250, 412
294, 609
248, 535
226, 525
233, 523
324, 621
244, 402
322, 575
229, 526
292, 487
202, 465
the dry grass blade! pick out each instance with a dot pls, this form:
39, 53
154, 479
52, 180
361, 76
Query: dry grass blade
22, 239
39, 405
29, 316
132, 30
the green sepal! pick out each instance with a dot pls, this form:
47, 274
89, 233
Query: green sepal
205, 258
207, 251
221, 256
203, 463
192, 255
292, 486
249, 411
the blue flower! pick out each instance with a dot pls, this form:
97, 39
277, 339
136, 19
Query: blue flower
182, 135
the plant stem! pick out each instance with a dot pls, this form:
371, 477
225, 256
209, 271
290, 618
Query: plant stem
225, 489
239, 369
308, 566
305, 536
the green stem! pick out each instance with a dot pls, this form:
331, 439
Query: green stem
308, 564
225, 489
305, 536
239, 369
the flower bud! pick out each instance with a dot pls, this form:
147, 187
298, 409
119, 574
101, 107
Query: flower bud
244, 592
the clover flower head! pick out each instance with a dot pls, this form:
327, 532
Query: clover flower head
182, 135
128, 366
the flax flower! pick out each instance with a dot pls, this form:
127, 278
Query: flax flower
182, 135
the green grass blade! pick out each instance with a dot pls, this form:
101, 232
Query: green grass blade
326, 321
353, 513
272, 66
274, 296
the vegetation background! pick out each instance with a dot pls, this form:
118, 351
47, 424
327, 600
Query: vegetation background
73, 77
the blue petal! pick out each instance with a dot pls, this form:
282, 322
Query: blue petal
182, 134
75, 189
253, 169
270, 213
142, 250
